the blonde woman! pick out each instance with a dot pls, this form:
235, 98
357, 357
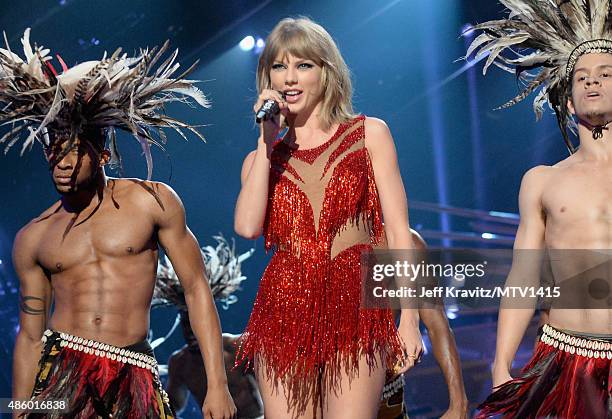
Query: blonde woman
319, 195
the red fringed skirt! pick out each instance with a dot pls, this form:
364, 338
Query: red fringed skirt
308, 327
99, 380
569, 376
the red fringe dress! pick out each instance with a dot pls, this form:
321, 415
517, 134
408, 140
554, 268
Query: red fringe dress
307, 326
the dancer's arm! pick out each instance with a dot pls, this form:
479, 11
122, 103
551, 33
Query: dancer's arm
445, 351
184, 252
526, 264
35, 295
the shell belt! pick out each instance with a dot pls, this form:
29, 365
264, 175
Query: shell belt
105, 350
591, 348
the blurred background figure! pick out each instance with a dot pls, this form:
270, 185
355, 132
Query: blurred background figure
185, 370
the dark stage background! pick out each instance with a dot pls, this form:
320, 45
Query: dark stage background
453, 148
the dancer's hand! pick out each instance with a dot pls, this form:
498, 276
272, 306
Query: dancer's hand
412, 345
218, 404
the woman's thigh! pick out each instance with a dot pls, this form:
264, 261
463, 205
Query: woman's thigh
275, 399
359, 397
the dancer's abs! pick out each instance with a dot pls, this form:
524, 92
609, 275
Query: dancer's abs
579, 247
106, 300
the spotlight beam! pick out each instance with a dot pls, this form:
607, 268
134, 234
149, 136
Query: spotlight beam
440, 84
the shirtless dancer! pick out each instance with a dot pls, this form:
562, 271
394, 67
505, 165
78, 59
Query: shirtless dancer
185, 366
93, 254
565, 206
182, 380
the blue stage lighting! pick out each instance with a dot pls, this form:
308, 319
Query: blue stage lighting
247, 43
452, 311
259, 45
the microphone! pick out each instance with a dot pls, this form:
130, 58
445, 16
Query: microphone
267, 110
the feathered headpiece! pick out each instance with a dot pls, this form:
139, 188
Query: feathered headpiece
222, 270
122, 92
541, 42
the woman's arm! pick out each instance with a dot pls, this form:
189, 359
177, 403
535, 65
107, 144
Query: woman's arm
252, 202
379, 143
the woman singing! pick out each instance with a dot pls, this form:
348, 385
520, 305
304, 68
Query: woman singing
319, 195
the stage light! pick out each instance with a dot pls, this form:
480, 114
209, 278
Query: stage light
452, 311
247, 43
487, 236
259, 45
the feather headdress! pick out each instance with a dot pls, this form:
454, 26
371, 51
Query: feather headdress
118, 91
541, 41
222, 268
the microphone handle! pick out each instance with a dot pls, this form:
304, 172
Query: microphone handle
268, 109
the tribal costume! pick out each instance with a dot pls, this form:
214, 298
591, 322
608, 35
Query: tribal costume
99, 380
88, 103
392, 404
307, 326
541, 41
567, 377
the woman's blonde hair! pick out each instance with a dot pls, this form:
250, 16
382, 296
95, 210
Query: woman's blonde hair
303, 38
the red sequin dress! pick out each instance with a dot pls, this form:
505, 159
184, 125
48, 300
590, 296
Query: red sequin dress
307, 326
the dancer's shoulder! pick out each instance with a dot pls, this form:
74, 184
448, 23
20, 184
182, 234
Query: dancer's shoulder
535, 180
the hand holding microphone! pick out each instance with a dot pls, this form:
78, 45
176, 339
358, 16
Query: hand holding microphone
270, 106
270, 111
267, 110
